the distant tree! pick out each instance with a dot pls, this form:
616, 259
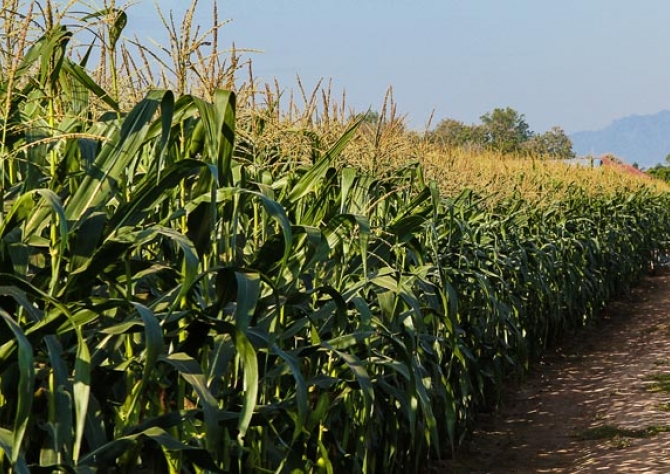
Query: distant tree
660, 172
371, 117
450, 132
505, 130
453, 133
667, 159
553, 143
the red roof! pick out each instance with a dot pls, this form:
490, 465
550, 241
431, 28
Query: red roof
623, 167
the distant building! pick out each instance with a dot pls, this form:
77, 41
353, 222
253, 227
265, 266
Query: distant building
608, 160
588, 161
613, 162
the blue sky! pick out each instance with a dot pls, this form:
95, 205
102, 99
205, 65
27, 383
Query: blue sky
578, 64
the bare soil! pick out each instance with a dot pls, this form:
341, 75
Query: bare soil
595, 404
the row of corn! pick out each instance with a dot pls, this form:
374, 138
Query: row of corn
178, 296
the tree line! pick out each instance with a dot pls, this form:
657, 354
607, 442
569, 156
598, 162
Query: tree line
661, 171
505, 131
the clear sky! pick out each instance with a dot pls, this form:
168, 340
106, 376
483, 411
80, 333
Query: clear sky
578, 64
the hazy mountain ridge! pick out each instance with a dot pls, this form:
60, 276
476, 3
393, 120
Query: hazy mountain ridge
641, 139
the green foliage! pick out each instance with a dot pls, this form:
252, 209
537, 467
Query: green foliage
553, 144
505, 130
454, 134
660, 172
179, 297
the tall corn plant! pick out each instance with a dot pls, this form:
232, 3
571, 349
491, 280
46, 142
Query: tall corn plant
181, 295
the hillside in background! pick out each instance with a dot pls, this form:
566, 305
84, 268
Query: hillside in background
641, 139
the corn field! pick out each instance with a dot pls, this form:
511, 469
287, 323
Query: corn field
194, 278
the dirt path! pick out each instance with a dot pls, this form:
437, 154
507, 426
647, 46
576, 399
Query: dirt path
598, 404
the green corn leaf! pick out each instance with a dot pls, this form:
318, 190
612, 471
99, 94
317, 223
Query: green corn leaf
79, 74
106, 455
23, 301
122, 147
51, 320
81, 391
362, 377
115, 27
152, 190
349, 176
153, 336
62, 417
250, 365
191, 371
6, 442
277, 212
313, 177
25, 387
301, 386
248, 293
348, 340
167, 114
190, 256
218, 120
21, 210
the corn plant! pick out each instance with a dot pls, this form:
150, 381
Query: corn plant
199, 283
